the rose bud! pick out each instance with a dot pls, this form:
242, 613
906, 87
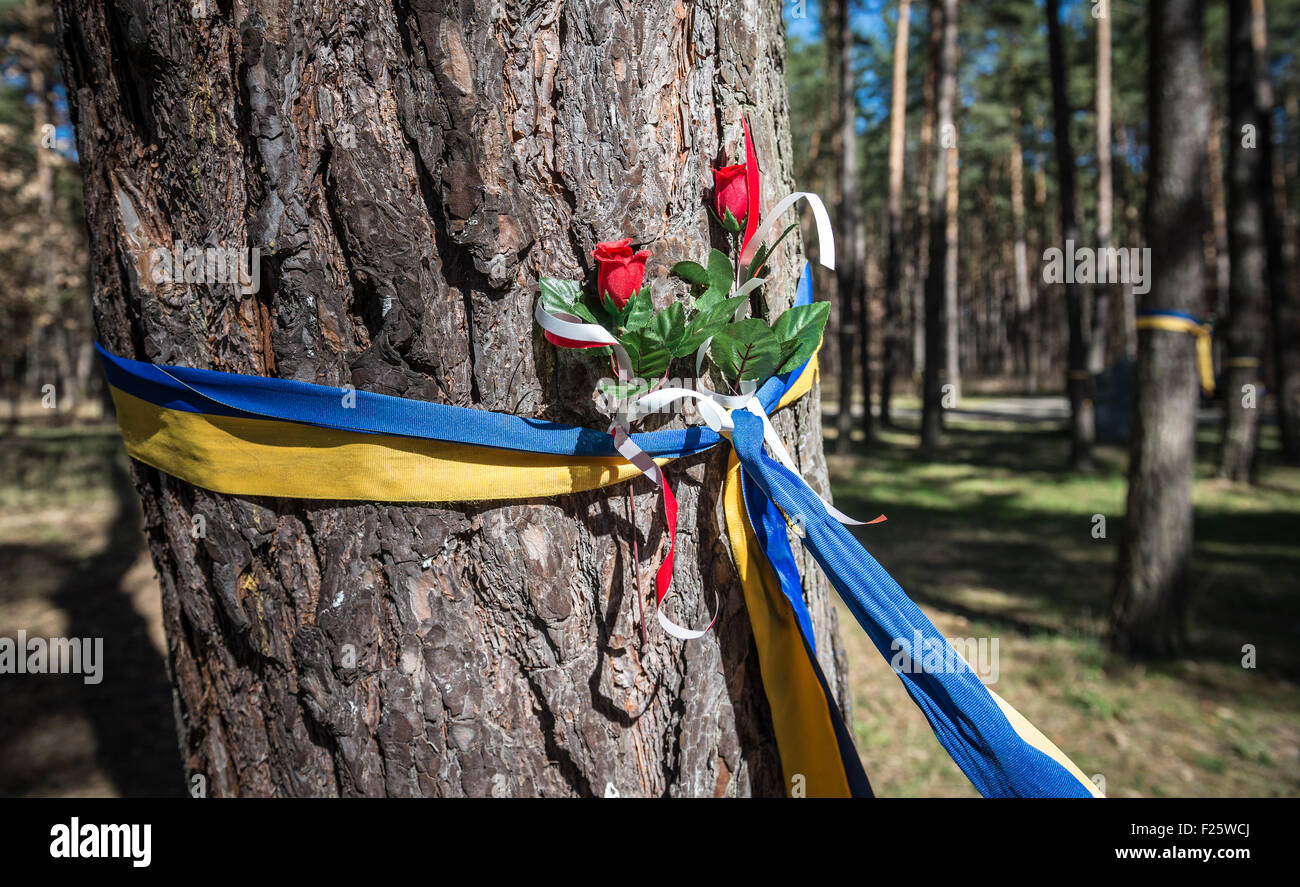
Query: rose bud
619, 271
731, 193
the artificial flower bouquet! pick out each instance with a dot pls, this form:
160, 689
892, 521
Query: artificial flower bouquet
642, 341
710, 323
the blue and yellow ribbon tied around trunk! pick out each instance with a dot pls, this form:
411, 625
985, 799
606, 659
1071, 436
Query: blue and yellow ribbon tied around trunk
1181, 322
254, 436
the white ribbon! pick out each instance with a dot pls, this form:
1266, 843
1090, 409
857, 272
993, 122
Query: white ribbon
825, 237
567, 326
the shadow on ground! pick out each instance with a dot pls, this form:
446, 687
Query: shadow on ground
66, 568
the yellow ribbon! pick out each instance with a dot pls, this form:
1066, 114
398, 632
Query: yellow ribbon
1202, 332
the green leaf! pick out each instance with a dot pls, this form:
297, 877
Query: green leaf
623, 390
729, 222
670, 326
799, 331
723, 310
722, 276
707, 322
613, 312
746, 350
764, 251
639, 311
691, 272
648, 352
565, 296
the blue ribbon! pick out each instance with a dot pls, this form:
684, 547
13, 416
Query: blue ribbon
962, 713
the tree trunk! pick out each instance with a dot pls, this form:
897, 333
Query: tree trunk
409, 171
924, 167
1218, 259
1078, 379
1026, 340
1047, 330
849, 260
1285, 298
895, 336
1098, 352
1248, 191
1151, 595
41, 76
951, 308
937, 279
1284, 293
1128, 300
868, 271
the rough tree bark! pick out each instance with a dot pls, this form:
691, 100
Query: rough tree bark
1248, 191
895, 335
1078, 381
937, 279
1151, 594
409, 170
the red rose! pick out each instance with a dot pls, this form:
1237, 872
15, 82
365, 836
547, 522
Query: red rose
619, 271
731, 192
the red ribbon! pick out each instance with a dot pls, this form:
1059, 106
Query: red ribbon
664, 577
751, 185
569, 343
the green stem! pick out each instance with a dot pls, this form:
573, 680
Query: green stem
735, 249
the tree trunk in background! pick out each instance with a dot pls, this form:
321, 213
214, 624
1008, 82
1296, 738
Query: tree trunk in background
36, 59
1218, 259
1284, 293
1248, 191
924, 167
39, 79
1285, 300
952, 320
975, 337
1036, 239
895, 335
936, 318
868, 262
1078, 380
60, 347
1128, 301
848, 258
1286, 177
1026, 340
409, 171
1098, 341
1152, 587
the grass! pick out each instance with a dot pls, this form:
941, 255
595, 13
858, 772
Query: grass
56, 465
994, 539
